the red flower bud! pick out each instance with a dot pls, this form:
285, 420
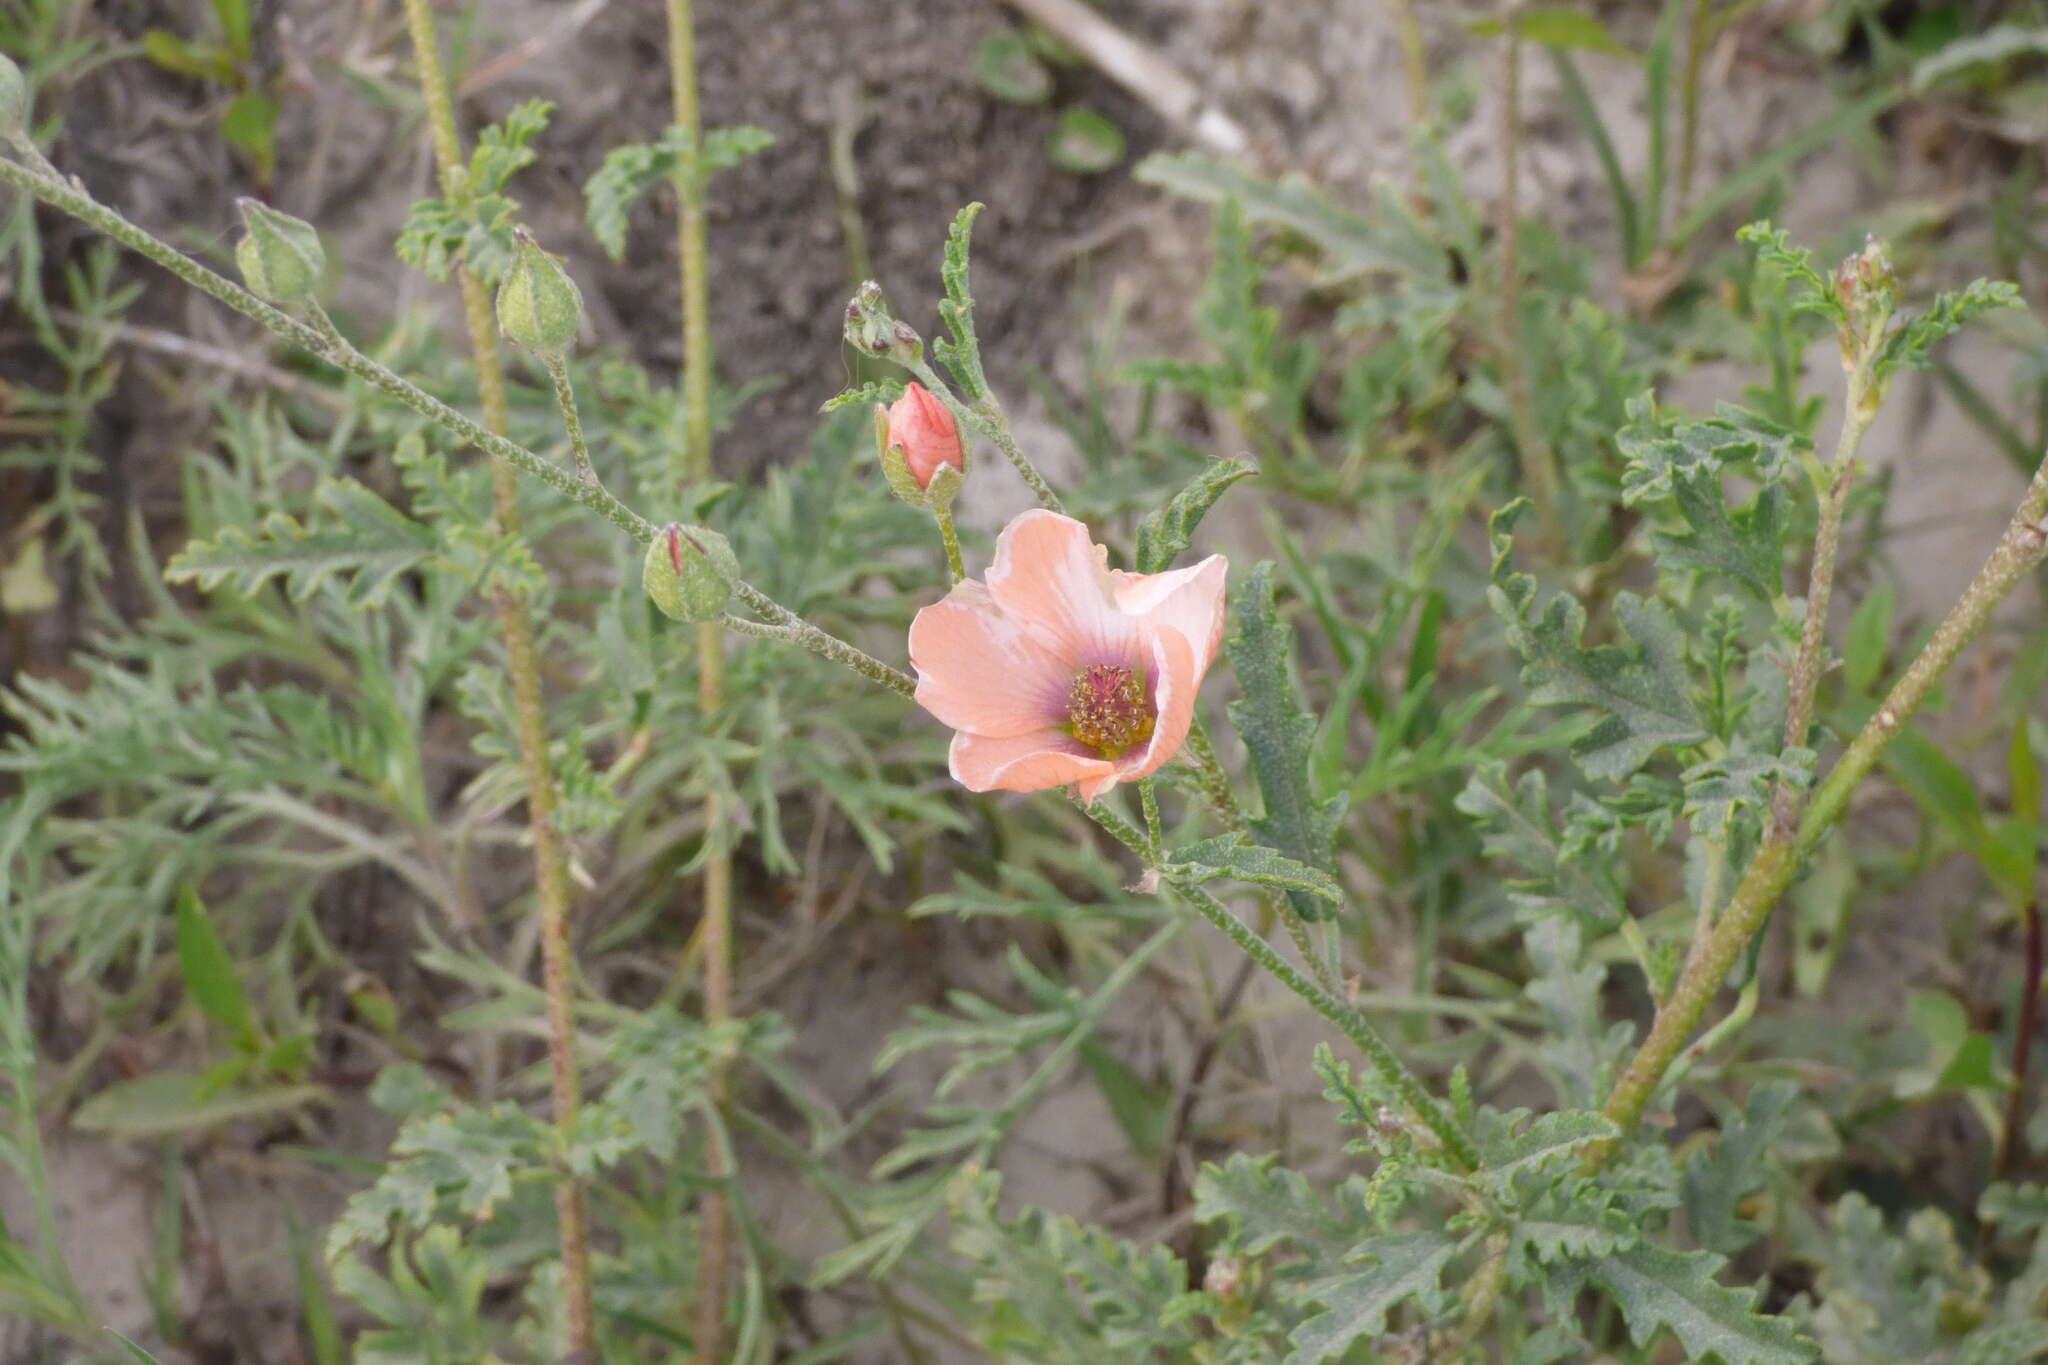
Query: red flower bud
920, 424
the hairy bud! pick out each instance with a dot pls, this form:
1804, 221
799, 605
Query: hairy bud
13, 100
689, 572
280, 256
919, 442
539, 306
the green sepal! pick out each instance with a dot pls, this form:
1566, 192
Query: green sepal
689, 571
280, 256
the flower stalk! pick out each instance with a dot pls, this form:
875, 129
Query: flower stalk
694, 467
1348, 1021
551, 864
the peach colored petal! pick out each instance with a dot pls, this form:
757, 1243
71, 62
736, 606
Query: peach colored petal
1190, 600
1177, 680
978, 670
1053, 579
1022, 763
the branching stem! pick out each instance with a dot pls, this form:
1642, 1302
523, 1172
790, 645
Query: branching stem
2020, 550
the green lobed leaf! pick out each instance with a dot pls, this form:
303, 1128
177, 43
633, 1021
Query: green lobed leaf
1267, 1203
1515, 826
1356, 1302
1506, 1152
1227, 855
2016, 1208
1658, 1289
630, 171
1719, 1177
961, 354
369, 543
1640, 690
1279, 735
1908, 347
1811, 292
1166, 531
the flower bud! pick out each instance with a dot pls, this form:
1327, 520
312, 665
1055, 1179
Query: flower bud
1867, 287
13, 100
922, 455
280, 256
869, 326
689, 572
539, 306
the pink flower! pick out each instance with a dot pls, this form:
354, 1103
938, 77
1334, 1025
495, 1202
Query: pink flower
1059, 669
921, 425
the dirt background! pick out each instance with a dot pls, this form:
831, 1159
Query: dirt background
1317, 85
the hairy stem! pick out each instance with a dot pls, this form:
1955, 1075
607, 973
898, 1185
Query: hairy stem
2019, 551
1390, 1068
572, 422
551, 865
2010, 1142
1806, 667
950, 535
695, 466
1414, 62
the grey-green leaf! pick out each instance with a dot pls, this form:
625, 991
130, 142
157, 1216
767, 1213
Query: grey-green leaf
1164, 533
1279, 735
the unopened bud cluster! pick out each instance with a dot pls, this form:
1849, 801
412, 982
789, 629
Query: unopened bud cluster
873, 330
1867, 287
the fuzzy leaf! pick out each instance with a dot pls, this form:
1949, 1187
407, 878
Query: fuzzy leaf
1166, 531
1505, 1153
1268, 1203
1908, 347
1657, 1289
962, 353
1227, 855
1279, 735
1515, 824
1640, 689
631, 171
1809, 290
1356, 1302
1680, 466
371, 544
1719, 1178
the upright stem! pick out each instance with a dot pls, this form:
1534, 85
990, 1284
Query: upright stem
2010, 1141
551, 867
1538, 463
1389, 1067
2018, 552
713, 1216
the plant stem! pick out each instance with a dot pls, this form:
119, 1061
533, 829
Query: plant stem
1390, 1068
551, 866
2019, 551
344, 356
69, 199
565, 399
1539, 463
1806, 667
2009, 1140
695, 466
955, 566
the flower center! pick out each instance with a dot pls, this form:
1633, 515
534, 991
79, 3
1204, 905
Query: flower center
1108, 710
